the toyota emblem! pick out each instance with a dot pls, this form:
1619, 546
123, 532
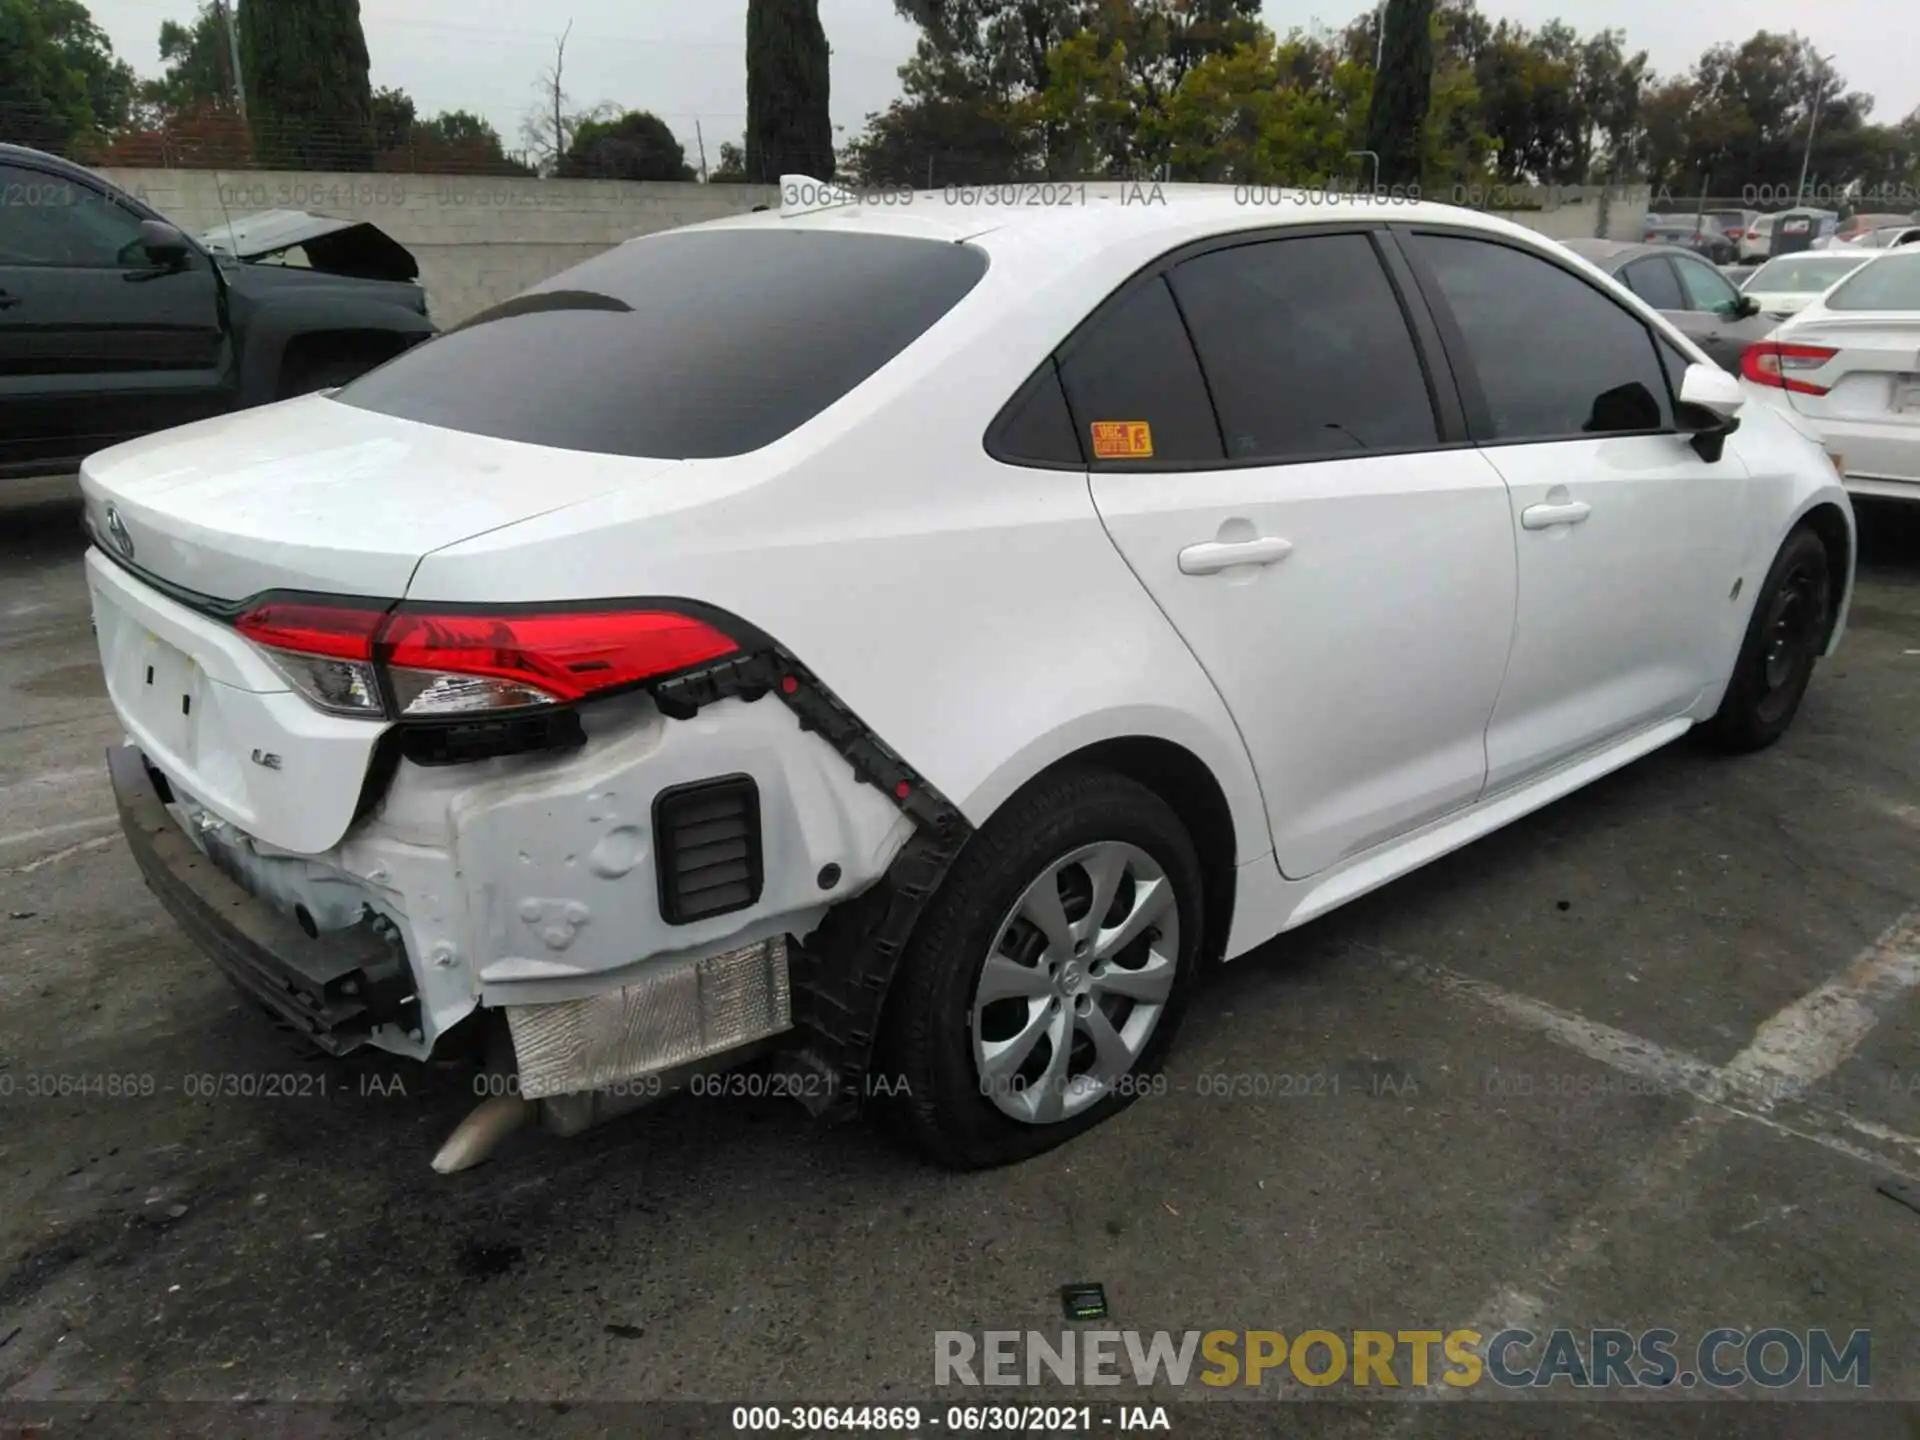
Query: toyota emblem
117, 533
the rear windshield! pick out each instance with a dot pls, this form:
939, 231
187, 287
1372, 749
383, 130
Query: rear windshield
1798, 275
683, 346
1892, 283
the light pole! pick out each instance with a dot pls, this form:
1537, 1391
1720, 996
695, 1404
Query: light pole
226, 9
1813, 124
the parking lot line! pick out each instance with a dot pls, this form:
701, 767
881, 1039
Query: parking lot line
1789, 1053
1816, 1034
99, 842
49, 832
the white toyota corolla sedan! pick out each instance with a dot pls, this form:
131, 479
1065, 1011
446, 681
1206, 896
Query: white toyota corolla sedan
906, 644
1848, 366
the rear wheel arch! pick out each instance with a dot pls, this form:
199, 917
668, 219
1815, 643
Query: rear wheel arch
1829, 523
1183, 780
271, 333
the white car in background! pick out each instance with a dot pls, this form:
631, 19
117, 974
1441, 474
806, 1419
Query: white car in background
1785, 286
918, 640
1757, 243
1848, 365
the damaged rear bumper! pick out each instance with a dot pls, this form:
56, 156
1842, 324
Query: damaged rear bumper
336, 988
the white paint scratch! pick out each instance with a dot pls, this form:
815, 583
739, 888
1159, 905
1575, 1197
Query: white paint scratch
99, 843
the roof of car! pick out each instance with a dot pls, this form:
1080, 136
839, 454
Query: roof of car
1612, 254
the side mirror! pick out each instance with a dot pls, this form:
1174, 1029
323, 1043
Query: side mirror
164, 243
1746, 308
1709, 407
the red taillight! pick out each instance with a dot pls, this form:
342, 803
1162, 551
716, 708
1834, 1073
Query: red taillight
567, 655
454, 662
1771, 363
337, 632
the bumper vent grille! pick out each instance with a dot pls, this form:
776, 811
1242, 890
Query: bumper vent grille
707, 840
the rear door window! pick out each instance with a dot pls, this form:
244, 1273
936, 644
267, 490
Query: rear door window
1135, 388
683, 346
1305, 349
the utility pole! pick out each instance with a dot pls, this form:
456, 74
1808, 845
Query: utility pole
230, 19
1380, 41
702, 140
1813, 123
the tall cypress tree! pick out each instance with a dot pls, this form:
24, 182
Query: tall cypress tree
309, 99
789, 130
1397, 116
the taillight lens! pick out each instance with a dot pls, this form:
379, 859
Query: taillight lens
452, 663
1773, 363
324, 651
460, 662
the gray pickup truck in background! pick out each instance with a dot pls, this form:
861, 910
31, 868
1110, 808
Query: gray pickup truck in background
115, 323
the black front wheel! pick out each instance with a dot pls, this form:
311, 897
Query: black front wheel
1784, 638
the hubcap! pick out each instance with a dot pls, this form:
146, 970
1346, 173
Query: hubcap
1079, 974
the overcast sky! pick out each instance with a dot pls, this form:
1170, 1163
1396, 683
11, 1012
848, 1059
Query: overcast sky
684, 59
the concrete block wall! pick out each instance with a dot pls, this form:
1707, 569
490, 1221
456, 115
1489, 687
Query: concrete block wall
479, 239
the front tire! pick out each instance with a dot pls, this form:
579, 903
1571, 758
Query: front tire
1044, 984
1783, 641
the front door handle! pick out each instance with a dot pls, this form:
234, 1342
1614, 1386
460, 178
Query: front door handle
7, 301
1217, 555
1544, 517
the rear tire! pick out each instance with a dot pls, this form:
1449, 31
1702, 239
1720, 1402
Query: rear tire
1782, 644
1112, 987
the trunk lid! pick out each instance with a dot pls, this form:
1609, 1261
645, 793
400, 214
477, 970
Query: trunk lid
1876, 373
308, 495
315, 495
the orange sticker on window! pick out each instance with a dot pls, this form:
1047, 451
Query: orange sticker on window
1122, 440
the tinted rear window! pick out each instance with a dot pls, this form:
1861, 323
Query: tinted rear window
683, 346
1889, 284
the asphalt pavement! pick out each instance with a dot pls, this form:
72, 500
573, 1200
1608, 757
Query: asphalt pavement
1645, 1059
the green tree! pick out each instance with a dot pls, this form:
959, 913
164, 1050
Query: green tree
789, 128
395, 118
1397, 111
636, 146
111, 83
198, 65
1091, 106
732, 166
1738, 124
309, 99
44, 97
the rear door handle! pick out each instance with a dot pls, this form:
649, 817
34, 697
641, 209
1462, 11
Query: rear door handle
7, 301
1217, 555
1544, 517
